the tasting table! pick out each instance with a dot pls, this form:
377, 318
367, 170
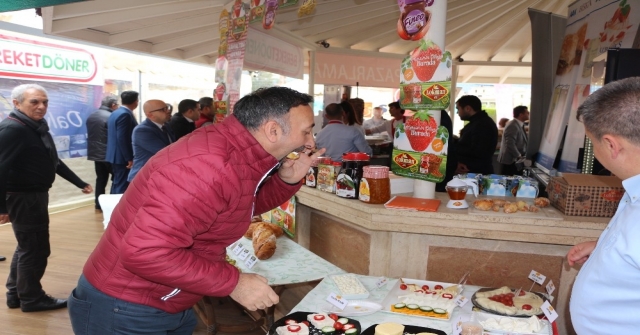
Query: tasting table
290, 264
315, 301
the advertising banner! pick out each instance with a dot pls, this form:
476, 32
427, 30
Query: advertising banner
236, 37
333, 69
420, 146
69, 107
592, 28
266, 53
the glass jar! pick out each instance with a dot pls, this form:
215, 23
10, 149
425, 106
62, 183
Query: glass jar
325, 178
348, 181
337, 166
312, 175
375, 186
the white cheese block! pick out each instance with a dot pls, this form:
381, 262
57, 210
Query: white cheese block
389, 328
327, 321
304, 330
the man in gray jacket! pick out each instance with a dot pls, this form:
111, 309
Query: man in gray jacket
514, 142
97, 142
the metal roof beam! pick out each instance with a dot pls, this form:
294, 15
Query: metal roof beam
163, 28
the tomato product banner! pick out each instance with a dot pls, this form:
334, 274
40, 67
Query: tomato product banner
285, 216
236, 41
69, 107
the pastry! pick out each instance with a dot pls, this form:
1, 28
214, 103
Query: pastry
522, 206
483, 205
249, 233
277, 230
534, 209
264, 242
293, 155
511, 208
541, 202
499, 202
495, 208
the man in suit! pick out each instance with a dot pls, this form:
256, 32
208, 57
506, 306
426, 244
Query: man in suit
183, 122
97, 142
119, 148
478, 138
514, 142
151, 135
207, 112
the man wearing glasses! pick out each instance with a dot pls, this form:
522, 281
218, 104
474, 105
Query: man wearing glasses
119, 148
151, 135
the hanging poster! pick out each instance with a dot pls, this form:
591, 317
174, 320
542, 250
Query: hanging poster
420, 144
237, 37
220, 96
592, 28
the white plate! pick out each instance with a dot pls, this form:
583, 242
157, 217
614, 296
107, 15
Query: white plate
392, 296
354, 308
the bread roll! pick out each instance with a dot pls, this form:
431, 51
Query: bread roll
264, 241
249, 233
277, 230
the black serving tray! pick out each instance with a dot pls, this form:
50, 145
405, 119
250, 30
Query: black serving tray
302, 316
407, 330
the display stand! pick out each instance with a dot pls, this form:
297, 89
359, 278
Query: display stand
424, 189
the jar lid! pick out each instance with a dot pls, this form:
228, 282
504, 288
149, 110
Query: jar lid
324, 160
375, 172
336, 163
355, 156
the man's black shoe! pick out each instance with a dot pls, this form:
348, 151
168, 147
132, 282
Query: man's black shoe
2, 258
13, 301
45, 303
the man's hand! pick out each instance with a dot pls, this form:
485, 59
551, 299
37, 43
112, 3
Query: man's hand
253, 292
293, 170
462, 169
87, 189
129, 164
4, 218
580, 252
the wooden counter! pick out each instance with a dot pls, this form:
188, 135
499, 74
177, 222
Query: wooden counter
442, 246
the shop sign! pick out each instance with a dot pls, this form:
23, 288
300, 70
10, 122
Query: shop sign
334, 69
28, 59
266, 53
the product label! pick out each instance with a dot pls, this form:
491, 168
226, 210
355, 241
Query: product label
419, 165
381, 282
365, 192
310, 179
251, 261
414, 21
549, 311
550, 287
537, 277
345, 186
244, 254
461, 300
431, 96
238, 249
337, 301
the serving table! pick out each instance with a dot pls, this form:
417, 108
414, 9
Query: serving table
290, 264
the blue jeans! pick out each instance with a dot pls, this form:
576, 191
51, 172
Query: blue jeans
95, 313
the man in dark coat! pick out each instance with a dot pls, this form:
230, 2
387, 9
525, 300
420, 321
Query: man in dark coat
119, 147
183, 122
478, 139
97, 142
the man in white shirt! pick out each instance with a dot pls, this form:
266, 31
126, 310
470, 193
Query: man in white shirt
339, 138
376, 120
390, 125
514, 142
605, 298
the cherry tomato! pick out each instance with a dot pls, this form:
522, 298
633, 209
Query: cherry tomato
318, 317
526, 307
338, 326
306, 323
333, 317
522, 293
425, 288
293, 328
438, 287
403, 286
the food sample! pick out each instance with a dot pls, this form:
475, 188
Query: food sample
293, 155
522, 206
264, 242
349, 285
507, 324
293, 328
541, 202
534, 209
277, 230
320, 320
435, 302
499, 202
511, 208
504, 301
389, 328
483, 205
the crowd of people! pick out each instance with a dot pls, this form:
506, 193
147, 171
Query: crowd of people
125, 289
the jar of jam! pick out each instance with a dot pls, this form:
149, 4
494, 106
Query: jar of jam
375, 186
348, 181
312, 175
337, 166
413, 16
325, 178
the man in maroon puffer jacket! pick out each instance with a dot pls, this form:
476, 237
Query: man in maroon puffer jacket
165, 245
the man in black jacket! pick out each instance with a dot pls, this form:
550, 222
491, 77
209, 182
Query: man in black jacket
183, 122
97, 142
478, 139
28, 165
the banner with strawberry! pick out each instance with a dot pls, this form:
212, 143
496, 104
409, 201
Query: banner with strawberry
420, 147
425, 80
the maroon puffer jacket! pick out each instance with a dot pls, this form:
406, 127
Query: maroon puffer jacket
165, 244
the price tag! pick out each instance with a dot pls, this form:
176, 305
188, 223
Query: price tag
550, 287
381, 282
337, 301
251, 261
537, 277
238, 249
244, 254
457, 329
549, 311
461, 300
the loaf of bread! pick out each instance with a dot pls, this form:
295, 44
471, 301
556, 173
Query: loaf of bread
249, 233
277, 230
264, 241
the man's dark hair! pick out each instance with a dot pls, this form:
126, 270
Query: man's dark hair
186, 105
271, 103
109, 100
334, 111
613, 109
205, 102
349, 112
519, 110
395, 104
471, 101
129, 97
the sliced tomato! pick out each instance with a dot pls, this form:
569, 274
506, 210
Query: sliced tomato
447, 295
293, 328
527, 307
348, 326
333, 317
510, 294
438, 287
522, 293
425, 288
290, 322
318, 317
338, 325
403, 286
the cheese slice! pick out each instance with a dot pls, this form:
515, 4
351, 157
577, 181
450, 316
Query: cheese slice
389, 328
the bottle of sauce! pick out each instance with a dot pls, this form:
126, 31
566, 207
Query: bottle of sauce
348, 181
375, 186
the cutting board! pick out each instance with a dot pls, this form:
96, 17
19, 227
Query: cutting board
548, 213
